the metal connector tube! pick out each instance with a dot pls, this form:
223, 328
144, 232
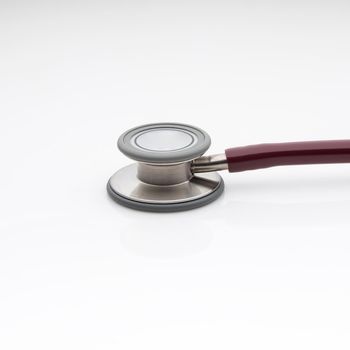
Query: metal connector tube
206, 164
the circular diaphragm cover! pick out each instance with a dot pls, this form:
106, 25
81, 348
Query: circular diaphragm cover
164, 143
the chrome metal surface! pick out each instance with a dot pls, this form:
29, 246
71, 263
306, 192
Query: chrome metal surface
163, 143
127, 184
213, 162
169, 174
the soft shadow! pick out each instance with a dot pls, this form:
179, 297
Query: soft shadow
167, 236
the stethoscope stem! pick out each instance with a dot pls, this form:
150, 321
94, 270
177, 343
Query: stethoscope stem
205, 164
275, 154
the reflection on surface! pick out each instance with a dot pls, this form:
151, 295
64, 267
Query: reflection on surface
167, 235
248, 205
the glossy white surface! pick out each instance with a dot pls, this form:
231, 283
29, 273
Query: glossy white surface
164, 140
265, 267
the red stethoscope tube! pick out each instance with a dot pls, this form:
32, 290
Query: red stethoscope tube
291, 153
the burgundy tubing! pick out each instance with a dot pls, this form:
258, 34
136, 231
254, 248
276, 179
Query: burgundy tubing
291, 153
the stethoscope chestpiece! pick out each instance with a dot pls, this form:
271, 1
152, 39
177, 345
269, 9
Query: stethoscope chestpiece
162, 179
163, 143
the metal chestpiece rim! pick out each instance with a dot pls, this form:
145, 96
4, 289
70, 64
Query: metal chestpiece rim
164, 143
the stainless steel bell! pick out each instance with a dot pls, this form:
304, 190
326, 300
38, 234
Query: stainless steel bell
163, 178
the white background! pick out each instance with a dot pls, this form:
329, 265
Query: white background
264, 267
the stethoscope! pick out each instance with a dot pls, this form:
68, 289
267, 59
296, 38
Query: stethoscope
171, 173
